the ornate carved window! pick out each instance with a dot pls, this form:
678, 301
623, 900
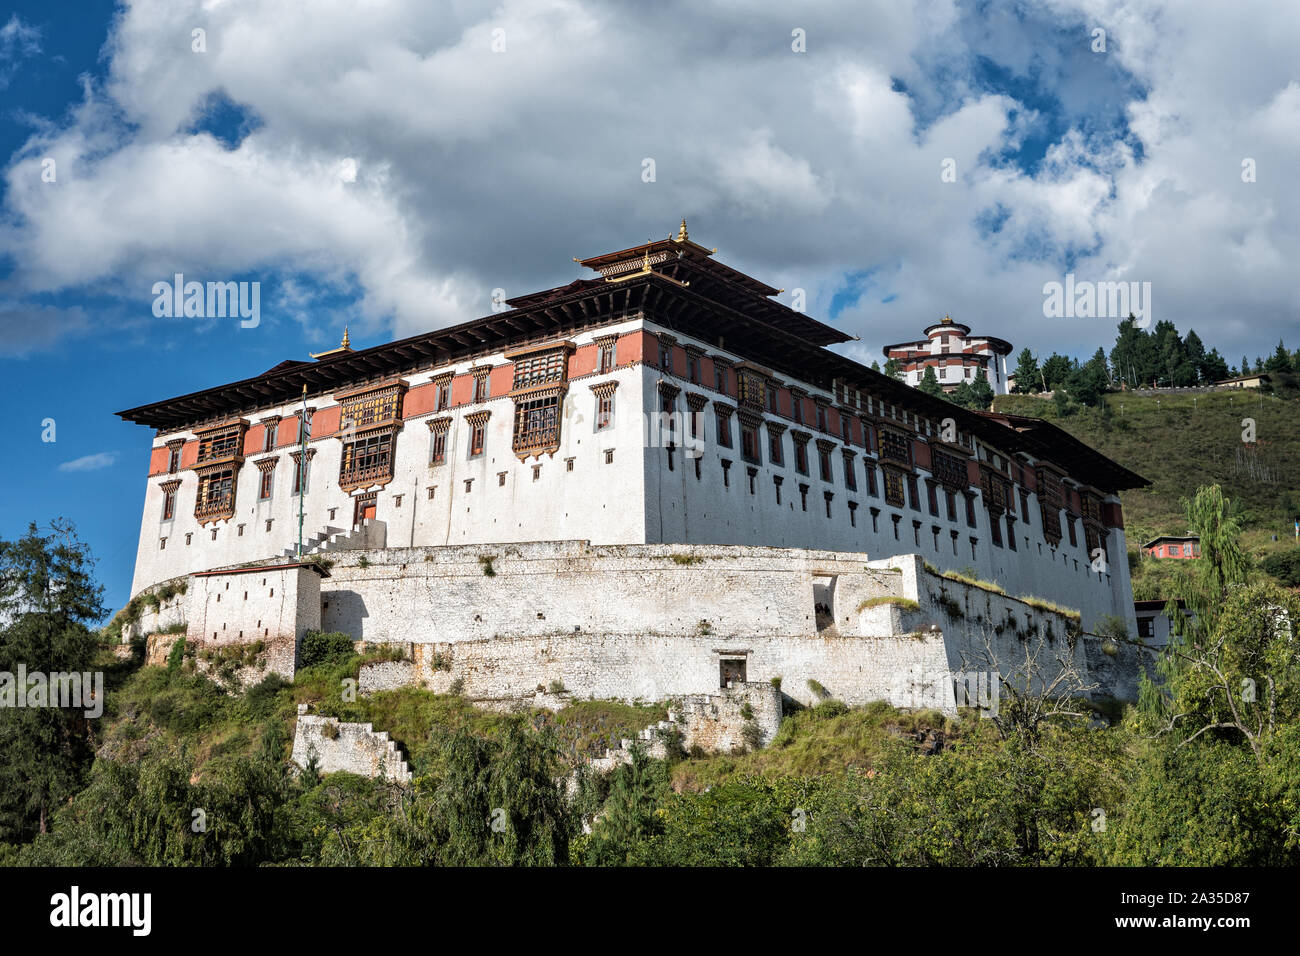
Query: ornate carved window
537, 425
169, 498
749, 426
221, 443
1051, 499
540, 369
796, 404
850, 474
266, 477
369, 420
949, 470
539, 386
482, 383
174, 455
604, 393
824, 449
800, 440
270, 426
379, 407
221, 452
215, 500
893, 488
302, 470
477, 432
724, 413
751, 388
607, 357
721, 374
368, 460
895, 446
775, 446
442, 392
438, 428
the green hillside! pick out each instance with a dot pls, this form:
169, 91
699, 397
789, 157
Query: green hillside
1180, 442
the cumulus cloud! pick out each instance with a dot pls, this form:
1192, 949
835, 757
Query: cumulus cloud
422, 155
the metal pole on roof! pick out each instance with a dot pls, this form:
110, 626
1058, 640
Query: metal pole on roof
302, 466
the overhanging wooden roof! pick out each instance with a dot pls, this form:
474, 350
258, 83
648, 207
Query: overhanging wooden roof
711, 306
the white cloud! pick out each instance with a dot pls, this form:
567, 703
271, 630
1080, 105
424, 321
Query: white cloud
399, 155
18, 41
103, 459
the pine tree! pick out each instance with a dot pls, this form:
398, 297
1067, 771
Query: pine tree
1056, 370
1214, 369
929, 383
893, 368
1279, 361
1196, 356
981, 393
1026, 373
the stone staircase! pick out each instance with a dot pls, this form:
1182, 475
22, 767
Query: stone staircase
371, 533
355, 748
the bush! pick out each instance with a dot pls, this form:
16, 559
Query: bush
1285, 566
176, 656
320, 647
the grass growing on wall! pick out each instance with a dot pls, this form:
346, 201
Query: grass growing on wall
906, 604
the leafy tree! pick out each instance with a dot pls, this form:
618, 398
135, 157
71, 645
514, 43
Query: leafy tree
1026, 373
737, 823
930, 384
894, 369
48, 600
499, 802
628, 816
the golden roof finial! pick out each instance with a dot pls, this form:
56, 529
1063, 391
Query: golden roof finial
346, 346
681, 233
947, 319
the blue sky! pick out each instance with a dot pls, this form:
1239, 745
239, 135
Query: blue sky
388, 165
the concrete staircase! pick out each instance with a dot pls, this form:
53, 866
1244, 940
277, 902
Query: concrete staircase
371, 533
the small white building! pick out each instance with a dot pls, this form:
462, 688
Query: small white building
955, 355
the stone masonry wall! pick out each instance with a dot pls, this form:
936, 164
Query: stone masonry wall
356, 748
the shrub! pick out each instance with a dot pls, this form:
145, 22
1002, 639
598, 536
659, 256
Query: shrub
1285, 566
320, 647
176, 656
485, 562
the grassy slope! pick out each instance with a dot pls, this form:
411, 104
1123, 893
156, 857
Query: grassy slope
1180, 442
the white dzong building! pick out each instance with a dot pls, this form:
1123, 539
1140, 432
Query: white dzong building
955, 355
